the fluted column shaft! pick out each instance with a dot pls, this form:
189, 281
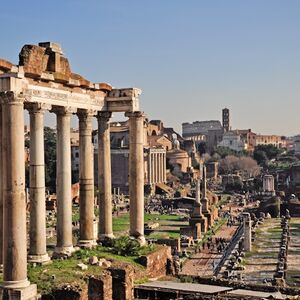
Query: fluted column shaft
1, 186
136, 174
64, 243
104, 177
14, 205
37, 251
86, 179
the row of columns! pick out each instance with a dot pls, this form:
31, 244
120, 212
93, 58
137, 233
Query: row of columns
12, 188
157, 167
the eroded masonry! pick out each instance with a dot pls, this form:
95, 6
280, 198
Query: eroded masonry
43, 81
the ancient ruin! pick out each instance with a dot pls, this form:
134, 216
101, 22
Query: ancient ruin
43, 81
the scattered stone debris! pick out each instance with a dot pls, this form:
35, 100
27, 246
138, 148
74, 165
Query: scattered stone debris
82, 266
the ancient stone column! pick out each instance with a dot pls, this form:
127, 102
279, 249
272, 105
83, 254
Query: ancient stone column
86, 179
204, 199
247, 232
198, 196
1, 187
136, 174
64, 245
165, 167
14, 204
104, 177
160, 167
152, 168
37, 250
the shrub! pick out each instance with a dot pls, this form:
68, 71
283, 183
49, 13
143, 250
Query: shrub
125, 246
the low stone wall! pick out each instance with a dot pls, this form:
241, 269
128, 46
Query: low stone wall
173, 243
156, 263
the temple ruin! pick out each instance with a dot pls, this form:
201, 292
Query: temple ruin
42, 81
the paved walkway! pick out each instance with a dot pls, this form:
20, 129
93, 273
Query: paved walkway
293, 260
261, 262
202, 264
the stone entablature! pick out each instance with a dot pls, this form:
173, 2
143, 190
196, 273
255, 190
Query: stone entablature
58, 85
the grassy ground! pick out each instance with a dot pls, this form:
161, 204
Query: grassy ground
169, 225
67, 271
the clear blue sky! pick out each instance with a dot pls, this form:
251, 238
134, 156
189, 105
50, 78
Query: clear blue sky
191, 58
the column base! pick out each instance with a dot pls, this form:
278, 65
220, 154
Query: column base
42, 259
141, 240
13, 293
105, 239
63, 251
15, 284
88, 244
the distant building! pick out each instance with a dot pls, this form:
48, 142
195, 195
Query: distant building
233, 141
226, 119
297, 147
209, 131
275, 140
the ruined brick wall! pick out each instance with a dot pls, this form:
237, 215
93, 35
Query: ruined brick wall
156, 262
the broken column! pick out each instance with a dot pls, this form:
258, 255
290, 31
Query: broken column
104, 177
37, 250
136, 174
247, 231
86, 179
64, 245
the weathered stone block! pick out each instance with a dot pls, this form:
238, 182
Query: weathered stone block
122, 282
5, 65
100, 287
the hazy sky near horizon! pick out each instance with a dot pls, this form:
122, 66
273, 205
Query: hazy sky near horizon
191, 58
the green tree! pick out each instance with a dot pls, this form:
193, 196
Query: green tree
261, 157
50, 158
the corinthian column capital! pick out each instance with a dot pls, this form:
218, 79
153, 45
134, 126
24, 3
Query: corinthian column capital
135, 114
37, 107
11, 98
64, 110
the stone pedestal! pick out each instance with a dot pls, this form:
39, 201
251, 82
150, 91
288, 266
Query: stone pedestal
37, 250
136, 174
104, 177
64, 245
86, 180
27, 293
